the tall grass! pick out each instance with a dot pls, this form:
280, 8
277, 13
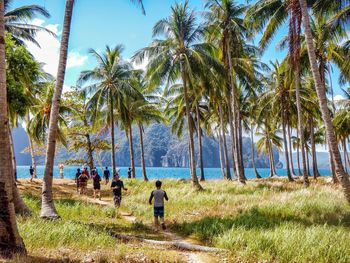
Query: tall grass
267, 220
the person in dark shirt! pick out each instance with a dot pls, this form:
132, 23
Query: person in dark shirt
97, 184
158, 209
106, 175
117, 185
77, 179
31, 172
129, 172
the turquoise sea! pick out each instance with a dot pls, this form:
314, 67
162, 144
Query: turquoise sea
154, 172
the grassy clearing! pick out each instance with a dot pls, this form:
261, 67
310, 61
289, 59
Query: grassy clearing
84, 233
267, 220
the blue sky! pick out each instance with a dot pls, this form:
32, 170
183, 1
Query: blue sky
109, 22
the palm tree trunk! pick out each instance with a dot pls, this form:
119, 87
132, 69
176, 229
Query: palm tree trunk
89, 152
344, 154
131, 150
286, 145
190, 131
20, 207
234, 126
111, 116
11, 242
307, 161
321, 94
313, 149
273, 161
257, 175
298, 155
300, 123
32, 154
332, 168
48, 209
228, 170
290, 151
145, 178
13, 157
221, 157
200, 146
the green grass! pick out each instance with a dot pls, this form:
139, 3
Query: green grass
84, 230
268, 220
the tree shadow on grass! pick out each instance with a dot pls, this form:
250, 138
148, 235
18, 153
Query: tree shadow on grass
35, 259
137, 229
209, 227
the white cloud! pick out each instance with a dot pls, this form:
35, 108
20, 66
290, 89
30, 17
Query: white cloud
338, 98
75, 59
48, 52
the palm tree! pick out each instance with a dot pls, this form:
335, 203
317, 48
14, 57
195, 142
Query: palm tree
270, 15
16, 22
179, 55
110, 86
322, 99
144, 111
227, 30
48, 209
268, 131
11, 241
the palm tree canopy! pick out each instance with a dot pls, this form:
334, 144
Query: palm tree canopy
17, 22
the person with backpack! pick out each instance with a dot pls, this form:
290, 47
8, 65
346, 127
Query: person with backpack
96, 179
83, 179
116, 186
106, 175
158, 209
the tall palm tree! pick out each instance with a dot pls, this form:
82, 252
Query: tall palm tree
269, 16
11, 241
110, 86
227, 30
48, 209
323, 102
144, 111
179, 55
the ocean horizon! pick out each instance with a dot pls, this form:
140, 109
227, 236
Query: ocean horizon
156, 172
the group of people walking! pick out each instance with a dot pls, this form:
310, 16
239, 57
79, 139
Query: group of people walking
82, 177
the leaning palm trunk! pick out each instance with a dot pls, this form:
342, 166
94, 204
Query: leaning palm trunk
48, 209
300, 123
10, 240
111, 116
313, 149
131, 151
289, 175
20, 207
190, 131
290, 151
332, 168
144, 174
321, 94
31, 149
257, 175
274, 173
228, 170
200, 146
